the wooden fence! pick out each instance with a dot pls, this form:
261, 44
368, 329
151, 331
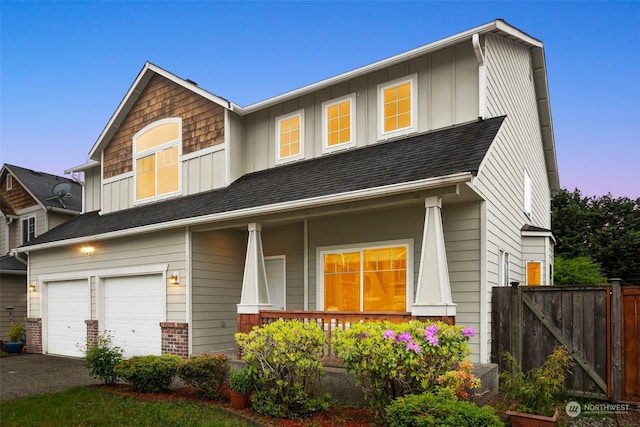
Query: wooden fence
530, 321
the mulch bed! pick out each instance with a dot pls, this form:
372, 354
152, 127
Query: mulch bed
335, 416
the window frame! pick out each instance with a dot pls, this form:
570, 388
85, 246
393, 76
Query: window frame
324, 250
154, 151
503, 273
31, 218
326, 148
540, 273
413, 127
279, 120
528, 195
9, 182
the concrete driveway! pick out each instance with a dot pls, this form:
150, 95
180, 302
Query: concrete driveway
29, 374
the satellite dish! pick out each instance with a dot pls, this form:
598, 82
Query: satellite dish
61, 190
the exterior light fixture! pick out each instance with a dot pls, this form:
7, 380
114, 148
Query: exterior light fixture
32, 287
88, 250
174, 278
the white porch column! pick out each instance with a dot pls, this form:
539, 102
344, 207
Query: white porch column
433, 294
255, 294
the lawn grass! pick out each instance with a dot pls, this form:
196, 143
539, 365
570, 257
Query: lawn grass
86, 406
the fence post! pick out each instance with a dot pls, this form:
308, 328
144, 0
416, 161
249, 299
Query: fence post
616, 340
516, 322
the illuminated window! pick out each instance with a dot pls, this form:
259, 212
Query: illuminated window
366, 279
157, 150
534, 273
338, 124
397, 107
289, 137
28, 229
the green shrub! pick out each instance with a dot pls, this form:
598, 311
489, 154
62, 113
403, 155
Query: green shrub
149, 374
533, 392
241, 380
16, 331
285, 361
426, 410
205, 373
577, 271
102, 358
390, 360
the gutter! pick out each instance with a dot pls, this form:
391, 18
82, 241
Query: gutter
62, 210
482, 76
358, 195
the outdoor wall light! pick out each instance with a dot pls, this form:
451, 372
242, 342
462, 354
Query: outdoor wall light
32, 287
88, 250
173, 279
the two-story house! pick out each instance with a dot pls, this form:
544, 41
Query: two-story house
31, 203
405, 188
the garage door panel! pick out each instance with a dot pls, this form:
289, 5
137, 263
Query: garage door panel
134, 307
68, 306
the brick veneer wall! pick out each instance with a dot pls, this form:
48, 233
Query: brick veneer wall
33, 327
175, 338
92, 332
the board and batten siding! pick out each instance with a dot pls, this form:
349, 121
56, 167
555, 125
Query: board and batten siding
447, 83
92, 190
110, 257
217, 264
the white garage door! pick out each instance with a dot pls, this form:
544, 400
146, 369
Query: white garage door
134, 306
67, 309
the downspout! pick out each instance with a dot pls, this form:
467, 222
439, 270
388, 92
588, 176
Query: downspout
482, 73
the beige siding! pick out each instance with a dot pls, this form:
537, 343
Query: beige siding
203, 173
166, 247
236, 146
461, 224
217, 269
55, 219
13, 292
447, 94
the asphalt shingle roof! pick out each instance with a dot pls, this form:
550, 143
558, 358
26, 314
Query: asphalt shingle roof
428, 155
9, 263
40, 185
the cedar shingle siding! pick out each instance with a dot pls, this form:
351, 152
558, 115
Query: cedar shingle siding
202, 122
18, 198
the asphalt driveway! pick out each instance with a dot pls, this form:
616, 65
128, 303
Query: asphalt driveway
29, 374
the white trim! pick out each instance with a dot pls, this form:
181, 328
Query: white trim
413, 127
118, 178
90, 165
305, 268
203, 152
361, 246
9, 182
503, 267
351, 196
352, 128
154, 151
227, 147
528, 195
300, 155
485, 305
188, 288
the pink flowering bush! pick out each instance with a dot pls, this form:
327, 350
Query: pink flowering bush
390, 360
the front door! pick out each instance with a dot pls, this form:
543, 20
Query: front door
276, 283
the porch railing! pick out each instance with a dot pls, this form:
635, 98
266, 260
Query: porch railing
330, 321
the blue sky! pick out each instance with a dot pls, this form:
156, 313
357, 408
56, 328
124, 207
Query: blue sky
65, 66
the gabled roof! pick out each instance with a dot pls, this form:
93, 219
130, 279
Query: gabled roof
12, 265
422, 161
40, 185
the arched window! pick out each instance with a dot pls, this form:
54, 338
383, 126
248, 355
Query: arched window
156, 150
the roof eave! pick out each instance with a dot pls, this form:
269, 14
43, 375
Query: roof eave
497, 25
357, 195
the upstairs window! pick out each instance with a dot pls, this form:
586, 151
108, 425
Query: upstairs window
28, 229
290, 137
157, 150
397, 107
9, 182
338, 124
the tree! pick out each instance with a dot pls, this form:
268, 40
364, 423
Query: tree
605, 229
577, 271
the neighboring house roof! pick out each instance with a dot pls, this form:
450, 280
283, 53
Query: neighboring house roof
40, 186
533, 228
498, 26
11, 265
456, 151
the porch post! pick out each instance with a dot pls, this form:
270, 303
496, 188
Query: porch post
433, 293
255, 294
